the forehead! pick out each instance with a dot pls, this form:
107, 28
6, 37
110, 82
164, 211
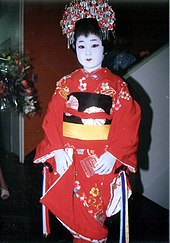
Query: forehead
89, 38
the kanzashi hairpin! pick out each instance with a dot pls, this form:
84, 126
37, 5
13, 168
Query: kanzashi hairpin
80, 9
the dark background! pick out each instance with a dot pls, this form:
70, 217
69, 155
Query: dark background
144, 23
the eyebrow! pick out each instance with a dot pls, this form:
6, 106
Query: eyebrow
90, 40
93, 40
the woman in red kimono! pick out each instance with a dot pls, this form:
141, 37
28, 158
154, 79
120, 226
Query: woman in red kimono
91, 140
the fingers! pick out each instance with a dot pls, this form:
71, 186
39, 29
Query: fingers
104, 165
63, 161
102, 169
61, 166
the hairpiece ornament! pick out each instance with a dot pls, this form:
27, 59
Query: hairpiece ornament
80, 9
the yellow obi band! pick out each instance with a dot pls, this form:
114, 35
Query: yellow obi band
85, 132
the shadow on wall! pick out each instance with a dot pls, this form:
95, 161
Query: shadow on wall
140, 95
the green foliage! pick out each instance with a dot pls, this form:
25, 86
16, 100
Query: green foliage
17, 83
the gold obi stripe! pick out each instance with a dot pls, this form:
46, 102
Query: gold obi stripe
85, 132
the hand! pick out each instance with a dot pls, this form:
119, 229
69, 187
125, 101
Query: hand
63, 161
105, 164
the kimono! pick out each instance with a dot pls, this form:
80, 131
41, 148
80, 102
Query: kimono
89, 113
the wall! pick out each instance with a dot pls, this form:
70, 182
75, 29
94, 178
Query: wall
10, 38
44, 41
150, 83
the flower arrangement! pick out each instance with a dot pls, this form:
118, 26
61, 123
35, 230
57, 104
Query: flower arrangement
17, 83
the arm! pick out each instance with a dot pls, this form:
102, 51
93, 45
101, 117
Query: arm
123, 135
52, 126
52, 144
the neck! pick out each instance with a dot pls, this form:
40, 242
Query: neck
89, 70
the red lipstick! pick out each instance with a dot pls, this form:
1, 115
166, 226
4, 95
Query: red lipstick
88, 59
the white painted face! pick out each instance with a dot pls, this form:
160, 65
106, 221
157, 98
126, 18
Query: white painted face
89, 52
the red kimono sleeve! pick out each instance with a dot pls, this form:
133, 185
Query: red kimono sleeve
123, 135
52, 126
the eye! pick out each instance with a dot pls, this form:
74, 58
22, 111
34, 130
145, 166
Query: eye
95, 45
81, 47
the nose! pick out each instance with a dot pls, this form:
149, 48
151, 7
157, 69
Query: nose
88, 51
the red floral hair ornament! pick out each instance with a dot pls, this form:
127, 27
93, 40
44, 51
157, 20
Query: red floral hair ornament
80, 9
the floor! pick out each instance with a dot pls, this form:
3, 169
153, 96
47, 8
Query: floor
20, 215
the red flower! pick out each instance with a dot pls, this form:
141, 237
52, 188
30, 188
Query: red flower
24, 83
28, 90
100, 2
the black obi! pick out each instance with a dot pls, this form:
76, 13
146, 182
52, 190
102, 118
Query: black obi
86, 100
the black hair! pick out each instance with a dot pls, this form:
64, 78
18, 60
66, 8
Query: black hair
88, 26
